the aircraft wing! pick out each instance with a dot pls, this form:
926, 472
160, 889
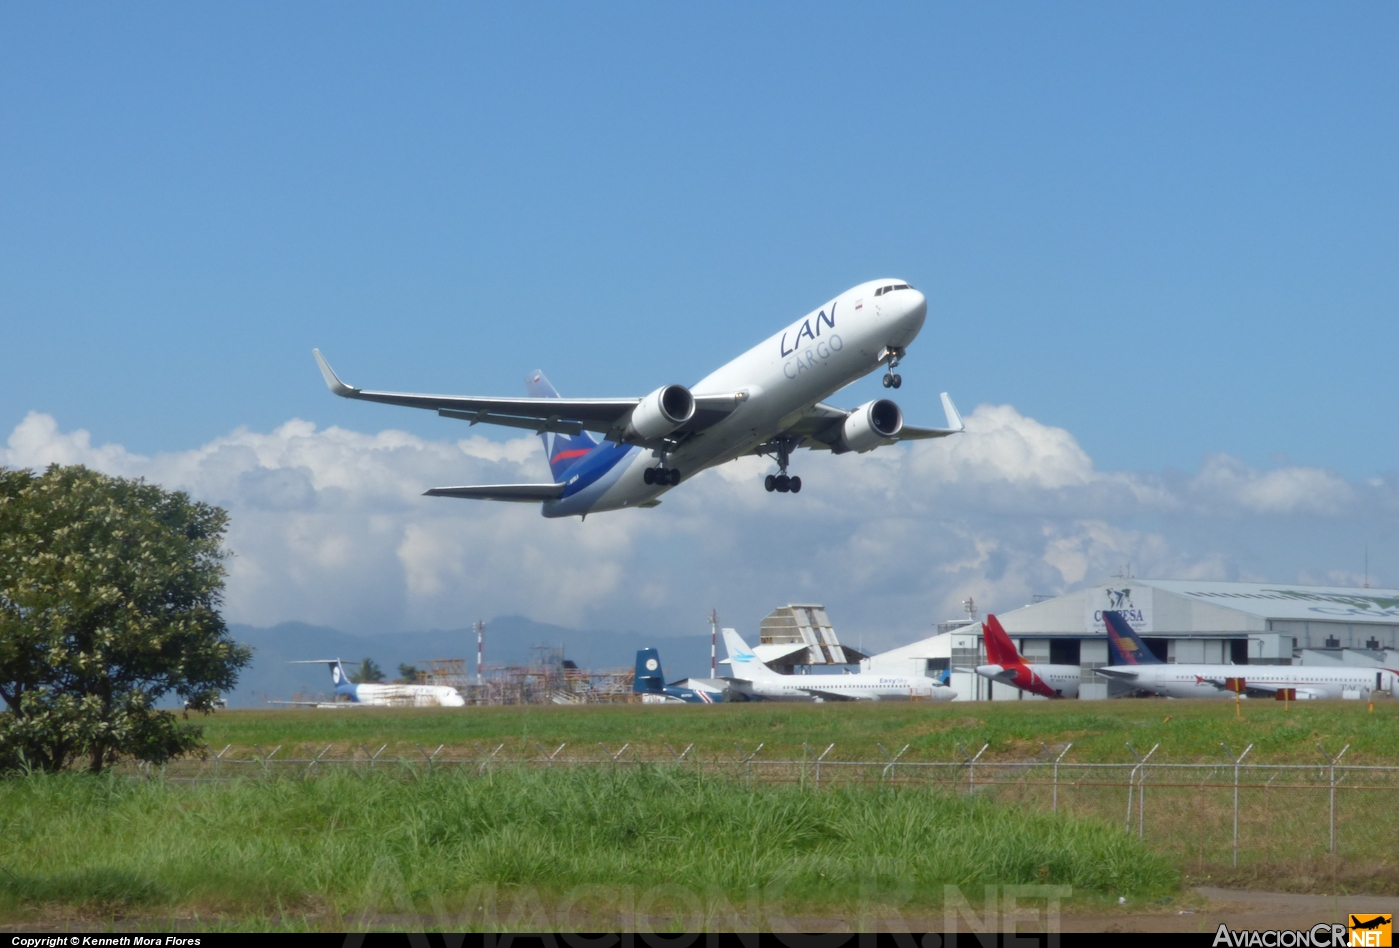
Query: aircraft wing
827, 695
570, 416
1268, 688
522, 493
819, 427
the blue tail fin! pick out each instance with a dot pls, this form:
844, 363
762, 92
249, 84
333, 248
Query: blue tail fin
1126, 644
563, 450
650, 677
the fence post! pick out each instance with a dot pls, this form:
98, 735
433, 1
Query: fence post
894, 759
747, 758
971, 765
1331, 764
1055, 808
1237, 762
1140, 787
818, 762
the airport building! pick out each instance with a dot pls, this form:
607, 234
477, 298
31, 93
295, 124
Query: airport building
1181, 620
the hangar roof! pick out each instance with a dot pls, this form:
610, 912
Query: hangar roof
1289, 601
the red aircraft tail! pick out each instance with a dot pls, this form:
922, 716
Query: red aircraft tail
1000, 650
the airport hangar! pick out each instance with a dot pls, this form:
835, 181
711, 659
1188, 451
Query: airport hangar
1181, 620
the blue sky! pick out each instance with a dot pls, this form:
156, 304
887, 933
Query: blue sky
1171, 230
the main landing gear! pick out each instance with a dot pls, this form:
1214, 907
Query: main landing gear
893, 379
662, 476
782, 483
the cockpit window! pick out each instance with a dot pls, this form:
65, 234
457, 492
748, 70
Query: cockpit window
891, 288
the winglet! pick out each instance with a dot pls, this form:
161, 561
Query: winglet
954, 420
332, 380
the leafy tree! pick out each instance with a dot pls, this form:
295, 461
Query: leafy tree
408, 674
369, 670
109, 596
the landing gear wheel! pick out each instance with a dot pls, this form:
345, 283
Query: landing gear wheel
649, 475
795, 484
888, 381
783, 483
770, 483
674, 477
896, 380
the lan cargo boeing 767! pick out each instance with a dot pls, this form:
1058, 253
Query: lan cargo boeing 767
766, 402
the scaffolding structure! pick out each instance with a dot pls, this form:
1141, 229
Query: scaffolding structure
548, 678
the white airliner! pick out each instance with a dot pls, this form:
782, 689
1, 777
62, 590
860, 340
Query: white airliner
1137, 666
753, 678
417, 696
766, 402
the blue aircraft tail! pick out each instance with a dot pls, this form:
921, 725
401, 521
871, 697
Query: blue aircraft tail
563, 450
650, 677
1127, 646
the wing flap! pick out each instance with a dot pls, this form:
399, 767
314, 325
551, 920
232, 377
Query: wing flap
519, 493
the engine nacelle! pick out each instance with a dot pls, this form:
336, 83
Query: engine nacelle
660, 413
870, 425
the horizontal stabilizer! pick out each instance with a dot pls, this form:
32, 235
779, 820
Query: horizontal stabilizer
519, 493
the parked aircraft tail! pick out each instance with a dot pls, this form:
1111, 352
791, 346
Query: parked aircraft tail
742, 660
563, 450
650, 677
1000, 650
341, 681
1126, 644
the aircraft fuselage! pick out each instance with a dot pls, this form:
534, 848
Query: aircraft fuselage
806, 362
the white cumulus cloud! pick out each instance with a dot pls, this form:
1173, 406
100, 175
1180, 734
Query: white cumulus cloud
329, 527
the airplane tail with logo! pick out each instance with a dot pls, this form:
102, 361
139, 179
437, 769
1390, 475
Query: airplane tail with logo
1000, 650
650, 677
742, 660
1126, 643
341, 681
563, 450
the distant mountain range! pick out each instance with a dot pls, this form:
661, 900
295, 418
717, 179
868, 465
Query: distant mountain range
507, 642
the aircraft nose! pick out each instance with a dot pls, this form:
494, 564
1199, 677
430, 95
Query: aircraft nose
909, 309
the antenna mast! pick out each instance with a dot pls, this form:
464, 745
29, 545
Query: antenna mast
713, 642
480, 648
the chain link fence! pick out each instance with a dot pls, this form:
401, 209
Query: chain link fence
1233, 813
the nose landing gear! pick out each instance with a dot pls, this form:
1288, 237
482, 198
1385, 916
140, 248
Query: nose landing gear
893, 379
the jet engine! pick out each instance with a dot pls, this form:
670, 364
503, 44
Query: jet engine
870, 425
660, 413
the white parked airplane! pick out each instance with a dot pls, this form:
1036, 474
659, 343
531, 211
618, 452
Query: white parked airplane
1138, 667
766, 402
755, 679
418, 696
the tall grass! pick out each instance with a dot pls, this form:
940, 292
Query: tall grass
328, 845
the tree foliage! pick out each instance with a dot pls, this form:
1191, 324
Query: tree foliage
369, 670
109, 596
408, 674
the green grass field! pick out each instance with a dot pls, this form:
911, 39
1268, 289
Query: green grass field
349, 846
460, 845
1186, 730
